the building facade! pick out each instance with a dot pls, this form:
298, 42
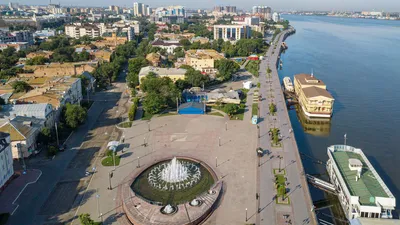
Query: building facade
140, 9
276, 17
6, 159
203, 59
313, 97
361, 191
232, 32
79, 30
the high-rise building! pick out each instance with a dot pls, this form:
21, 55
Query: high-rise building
263, 11
171, 11
276, 17
230, 9
140, 9
218, 8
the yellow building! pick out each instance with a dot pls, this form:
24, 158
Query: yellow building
202, 59
173, 73
313, 97
59, 69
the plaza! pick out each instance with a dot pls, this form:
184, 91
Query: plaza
227, 147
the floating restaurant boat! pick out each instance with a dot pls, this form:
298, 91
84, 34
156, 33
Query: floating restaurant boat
287, 82
361, 191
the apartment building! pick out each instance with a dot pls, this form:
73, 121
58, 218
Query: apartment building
203, 59
313, 97
78, 30
232, 32
169, 46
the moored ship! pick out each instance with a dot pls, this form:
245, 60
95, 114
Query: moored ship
287, 82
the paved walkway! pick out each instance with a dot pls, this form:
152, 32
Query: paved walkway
13, 190
300, 200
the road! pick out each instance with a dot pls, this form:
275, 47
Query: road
299, 209
59, 191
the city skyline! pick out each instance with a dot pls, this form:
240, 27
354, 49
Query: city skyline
329, 5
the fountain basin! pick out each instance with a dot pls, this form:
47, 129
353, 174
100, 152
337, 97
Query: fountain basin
184, 186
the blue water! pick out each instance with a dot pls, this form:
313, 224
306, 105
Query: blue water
359, 60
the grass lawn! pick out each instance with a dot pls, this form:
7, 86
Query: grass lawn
125, 124
147, 116
108, 161
254, 109
215, 114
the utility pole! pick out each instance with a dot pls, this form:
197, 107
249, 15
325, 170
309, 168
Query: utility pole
58, 143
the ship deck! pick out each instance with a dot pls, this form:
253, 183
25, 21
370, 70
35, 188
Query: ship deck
367, 186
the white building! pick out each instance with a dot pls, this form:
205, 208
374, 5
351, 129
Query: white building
170, 46
79, 30
276, 17
361, 191
6, 159
170, 11
23, 132
232, 32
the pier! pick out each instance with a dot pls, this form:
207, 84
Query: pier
286, 155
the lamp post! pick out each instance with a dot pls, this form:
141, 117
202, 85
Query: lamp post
144, 142
110, 175
216, 161
345, 139
148, 126
114, 158
219, 141
280, 159
138, 162
98, 206
226, 126
246, 215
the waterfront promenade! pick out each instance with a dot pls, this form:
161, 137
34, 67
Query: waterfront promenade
299, 210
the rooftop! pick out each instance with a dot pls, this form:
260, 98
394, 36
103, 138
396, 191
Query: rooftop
308, 79
204, 54
161, 71
367, 186
313, 91
21, 128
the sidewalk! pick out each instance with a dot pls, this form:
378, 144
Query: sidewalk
15, 188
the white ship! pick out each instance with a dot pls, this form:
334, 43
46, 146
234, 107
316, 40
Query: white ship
361, 191
288, 84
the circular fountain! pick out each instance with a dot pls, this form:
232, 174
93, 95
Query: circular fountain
169, 189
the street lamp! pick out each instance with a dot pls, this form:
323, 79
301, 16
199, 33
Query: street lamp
216, 162
280, 159
219, 141
246, 215
138, 162
98, 207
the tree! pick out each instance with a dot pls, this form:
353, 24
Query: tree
269, 70
272, 109
132, 110
2, 101
21, 86
256, 34
195, 78
134, 67
37, 60
153, 103
45, 136
226, 68
182, 84
86, 220
231, 109
179, 52
74, 115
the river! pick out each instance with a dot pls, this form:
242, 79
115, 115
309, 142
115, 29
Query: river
359, 61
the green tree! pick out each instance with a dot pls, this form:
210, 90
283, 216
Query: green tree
179, 52
182, 84
134, 67
231, 109
269, 70
153, 103
226, 68
45, 136
21, 86
272, 109
37, 60
195, 78
132, 110
86, 220
256, 34
74, 115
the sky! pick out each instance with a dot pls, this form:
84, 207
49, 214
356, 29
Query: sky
359, 5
